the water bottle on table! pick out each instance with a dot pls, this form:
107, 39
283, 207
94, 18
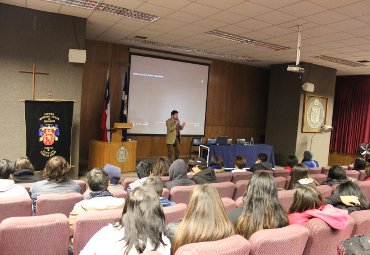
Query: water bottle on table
251, 142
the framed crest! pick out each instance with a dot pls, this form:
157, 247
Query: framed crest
314, 113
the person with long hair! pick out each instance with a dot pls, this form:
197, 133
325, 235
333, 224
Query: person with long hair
299, 176
262, 209
140, 229
161, 167
240, 163
217, 164
308, 204
337, 175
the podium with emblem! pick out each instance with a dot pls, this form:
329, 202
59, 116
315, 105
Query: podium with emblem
117, 152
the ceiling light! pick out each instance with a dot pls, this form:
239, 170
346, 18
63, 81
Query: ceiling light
112, 9
245, 40
87, 4
339, 61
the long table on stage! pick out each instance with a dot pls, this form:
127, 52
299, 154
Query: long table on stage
250, 152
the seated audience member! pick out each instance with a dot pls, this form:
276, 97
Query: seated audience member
261, 163
291, 162
367, 171
348, 196
217, 164
178, 175
114, 174
359, 164
143, 170
308, 204
24, 171
240, 164
262, 209
99, 198
161, 167
57, 181
7, 187
140, 229
337, 175
156, 183
307, 160
202, 173
205, 219
299, 176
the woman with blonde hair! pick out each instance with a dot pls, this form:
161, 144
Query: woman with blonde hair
161, 167
205, 219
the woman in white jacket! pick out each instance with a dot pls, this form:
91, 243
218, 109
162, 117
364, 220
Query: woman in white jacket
7, 187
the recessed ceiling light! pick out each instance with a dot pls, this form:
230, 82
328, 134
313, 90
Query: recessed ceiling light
339, 61
87, 4
245, 40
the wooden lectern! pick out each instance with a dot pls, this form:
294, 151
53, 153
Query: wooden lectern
116, 152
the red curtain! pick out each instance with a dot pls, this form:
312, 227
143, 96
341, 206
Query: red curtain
351, 114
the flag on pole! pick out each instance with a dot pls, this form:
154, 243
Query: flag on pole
123, 110
105, 115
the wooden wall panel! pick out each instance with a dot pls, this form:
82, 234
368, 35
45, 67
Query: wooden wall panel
342, 159
236, 101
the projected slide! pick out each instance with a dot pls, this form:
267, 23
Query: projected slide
158, 86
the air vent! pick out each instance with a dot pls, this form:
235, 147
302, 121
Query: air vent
86, 4
339, 61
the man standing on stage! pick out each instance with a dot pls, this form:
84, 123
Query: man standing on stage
173, 134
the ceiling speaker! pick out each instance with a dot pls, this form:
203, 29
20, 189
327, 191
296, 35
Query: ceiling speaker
76, 56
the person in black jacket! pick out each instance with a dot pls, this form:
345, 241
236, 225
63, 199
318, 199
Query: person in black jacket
261, 163
24, 171
202, 173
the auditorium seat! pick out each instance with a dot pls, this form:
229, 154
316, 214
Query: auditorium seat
325, 190
57, 203
181, 194
365, 188
351, 167
286, 198
264, 171
35, 235
119, 193
362, 175
323, 239
319, 177
26, 185
362, 222
353, 173
234, 245
241, 176
325, 170
228, 203
225, 189
82, 185
240, 188
239, 202
315, 170
280, 182
165, 179
166, 193
291, 239
287, 182
345, 168
174, 213
281, 172
127, 181
90, 222
15, 207
223, 177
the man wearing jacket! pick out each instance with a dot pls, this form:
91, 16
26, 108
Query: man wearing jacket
202, 173
173, 134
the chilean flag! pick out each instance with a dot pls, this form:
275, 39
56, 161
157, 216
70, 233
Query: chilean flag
105, 115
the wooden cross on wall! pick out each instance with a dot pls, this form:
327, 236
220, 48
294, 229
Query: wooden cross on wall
33, 78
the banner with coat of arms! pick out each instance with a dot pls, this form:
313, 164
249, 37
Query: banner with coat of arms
48, 130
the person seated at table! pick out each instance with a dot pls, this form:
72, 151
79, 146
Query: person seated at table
143, 171
291, 162
217, 164
337, 175
24, 171
359, 164
202, 173
299, 176
261, 163
178, 175
7, 187
308, 161
240, 164
156, 183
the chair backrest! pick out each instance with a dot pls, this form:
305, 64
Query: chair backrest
274, 241
89, 223
166, 193
286, 198
325, 190
225, 189
323, 239
57, 203
174, 213
127, 181
281, 172
228, 203
181, 194
15, 207
320, 178
82, 185
264, 171
165, 179
365, 188
325, 170
362, 175
351, 167
240, 188
241, 176
362, 222
119, 193
280, 182
26, 185
223, 177
233, 245
239, 202
287, 181
48, 234
353, 173
315, 170
345, 168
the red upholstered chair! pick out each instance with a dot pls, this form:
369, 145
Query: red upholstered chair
229, 204
323, 239
365, 188
119, 193
319, 177
362, 175
82, 185
281, 241
315, 170
234, 245
166, 193
242, 176
57, 203
127, 181
225, 189
286, 198
287, 182
48, 234
362, 222
280, 182
181, 194
240, 188
165, 179
281, 172
265, 171
350, 167
223, 177
353, 173
325, 190
239, 202
27, 186
325, 170
15, 207
174, 213
89, 223
345, 168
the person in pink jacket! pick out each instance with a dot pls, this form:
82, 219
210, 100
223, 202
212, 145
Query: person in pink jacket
308, 204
